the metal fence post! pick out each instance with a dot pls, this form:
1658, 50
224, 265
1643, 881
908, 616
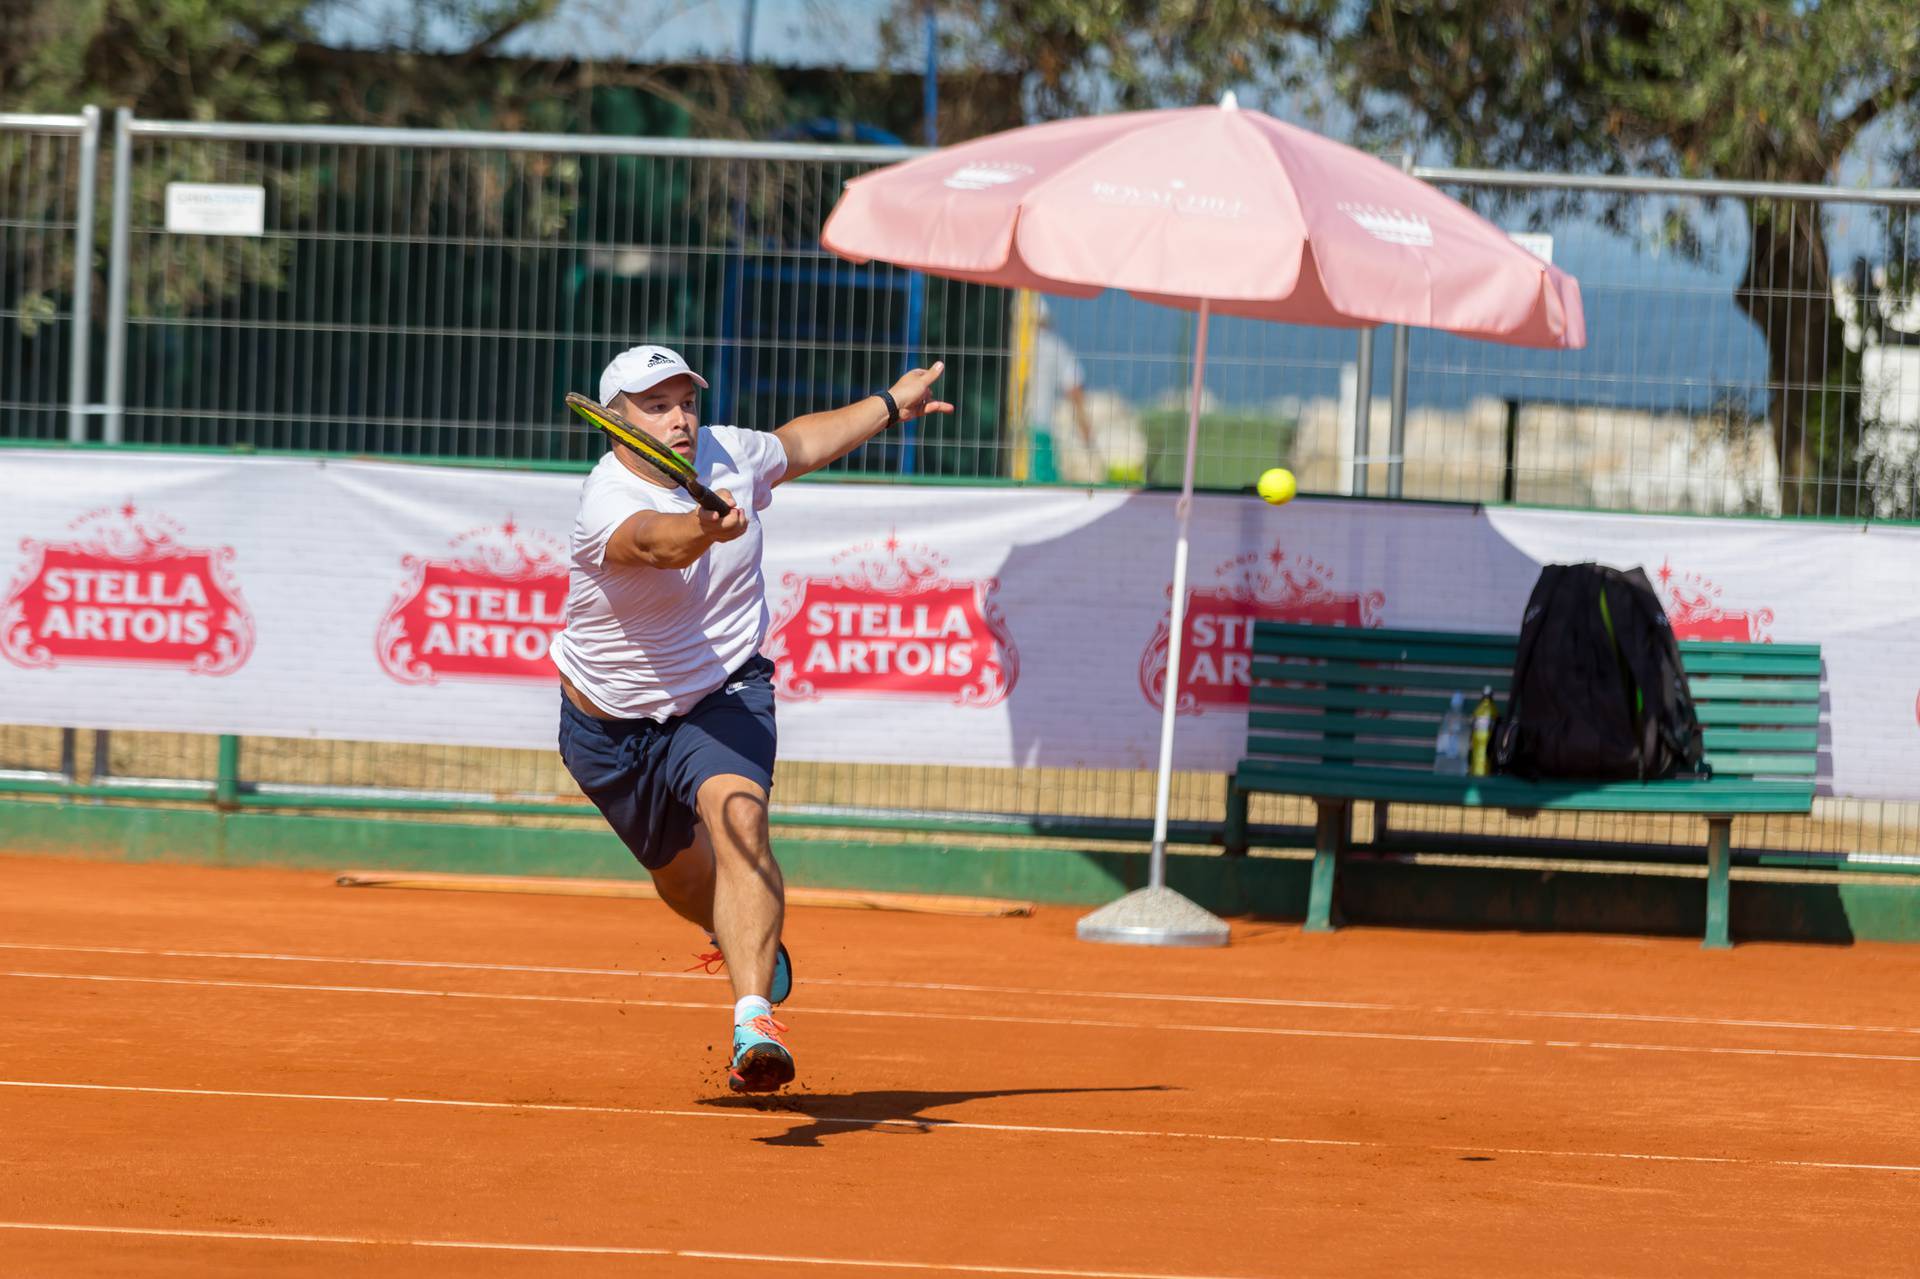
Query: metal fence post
1397, 428
117, 284
1397, 431
1510, 472
1362, 412
78, 383
226, 780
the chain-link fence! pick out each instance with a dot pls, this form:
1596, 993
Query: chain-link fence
1752, 350
437, 294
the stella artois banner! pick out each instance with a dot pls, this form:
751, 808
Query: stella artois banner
1217, 636
890, 622
125, 588
983, 627
486, 609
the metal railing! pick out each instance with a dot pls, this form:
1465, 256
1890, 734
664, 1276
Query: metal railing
1086, 807
1755, 348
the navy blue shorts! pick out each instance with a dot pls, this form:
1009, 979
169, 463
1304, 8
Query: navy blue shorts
643, 775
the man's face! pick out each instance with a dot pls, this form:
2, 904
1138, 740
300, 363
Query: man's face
669, 411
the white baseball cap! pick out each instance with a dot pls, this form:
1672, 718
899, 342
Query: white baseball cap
634, 370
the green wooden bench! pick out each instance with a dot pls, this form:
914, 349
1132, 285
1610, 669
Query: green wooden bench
1342, 715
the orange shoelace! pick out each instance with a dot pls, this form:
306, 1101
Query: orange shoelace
766, 1025
708, 962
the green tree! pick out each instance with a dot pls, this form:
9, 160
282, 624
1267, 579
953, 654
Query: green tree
255, 60
264, 61
423, 299
1762, 90
247, 60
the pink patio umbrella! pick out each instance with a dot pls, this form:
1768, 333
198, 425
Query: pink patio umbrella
1219, 211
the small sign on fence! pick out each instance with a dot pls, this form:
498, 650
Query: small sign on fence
214, 208
1541, 246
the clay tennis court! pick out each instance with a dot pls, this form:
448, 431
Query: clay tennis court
241, 1072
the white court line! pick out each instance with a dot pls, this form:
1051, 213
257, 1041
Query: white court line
595, 1250
1683, 1159
1677, 1019
1248, 1001
330, 959
1295, 1032
693, 975
931, 1122
1752, 1052
1300, 1032
797, 1116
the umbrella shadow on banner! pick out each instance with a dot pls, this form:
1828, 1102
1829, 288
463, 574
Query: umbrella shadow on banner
1089, 614
1090, 611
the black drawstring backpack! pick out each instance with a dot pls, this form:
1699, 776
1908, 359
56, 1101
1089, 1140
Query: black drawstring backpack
1598, 690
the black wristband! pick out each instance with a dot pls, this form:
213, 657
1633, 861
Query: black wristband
893, 409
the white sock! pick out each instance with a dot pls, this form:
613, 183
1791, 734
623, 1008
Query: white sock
749, 1007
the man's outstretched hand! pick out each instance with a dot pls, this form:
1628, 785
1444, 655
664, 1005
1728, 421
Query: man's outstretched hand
914, 393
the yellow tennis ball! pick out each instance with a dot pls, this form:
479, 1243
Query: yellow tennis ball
1277, 486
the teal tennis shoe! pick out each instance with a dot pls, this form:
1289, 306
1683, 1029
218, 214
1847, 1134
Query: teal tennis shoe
761, 1060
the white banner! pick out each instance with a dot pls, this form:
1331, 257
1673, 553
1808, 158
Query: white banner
973, 626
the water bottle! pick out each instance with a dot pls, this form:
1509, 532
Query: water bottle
1478, 757
1450, 747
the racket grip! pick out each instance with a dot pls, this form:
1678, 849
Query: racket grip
707, 498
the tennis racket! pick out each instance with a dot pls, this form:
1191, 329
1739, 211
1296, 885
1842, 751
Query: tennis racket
663, 459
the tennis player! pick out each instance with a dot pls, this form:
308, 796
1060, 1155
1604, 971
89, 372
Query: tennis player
666, 709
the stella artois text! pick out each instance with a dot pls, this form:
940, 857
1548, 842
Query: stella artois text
146, 606
490, 621
880, 639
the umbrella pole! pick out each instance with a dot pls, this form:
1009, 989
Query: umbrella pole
1170, 699
1157, 915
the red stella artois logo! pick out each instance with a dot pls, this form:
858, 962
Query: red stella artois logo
126, 591
1695, 612
488, 611
891, 623
1216, 656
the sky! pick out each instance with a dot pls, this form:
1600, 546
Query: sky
803, 33
785, 32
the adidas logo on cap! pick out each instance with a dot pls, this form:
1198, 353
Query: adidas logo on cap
637, 368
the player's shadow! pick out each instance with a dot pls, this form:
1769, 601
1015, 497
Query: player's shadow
831, 1114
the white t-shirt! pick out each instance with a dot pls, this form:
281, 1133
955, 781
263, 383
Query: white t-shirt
650, 642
